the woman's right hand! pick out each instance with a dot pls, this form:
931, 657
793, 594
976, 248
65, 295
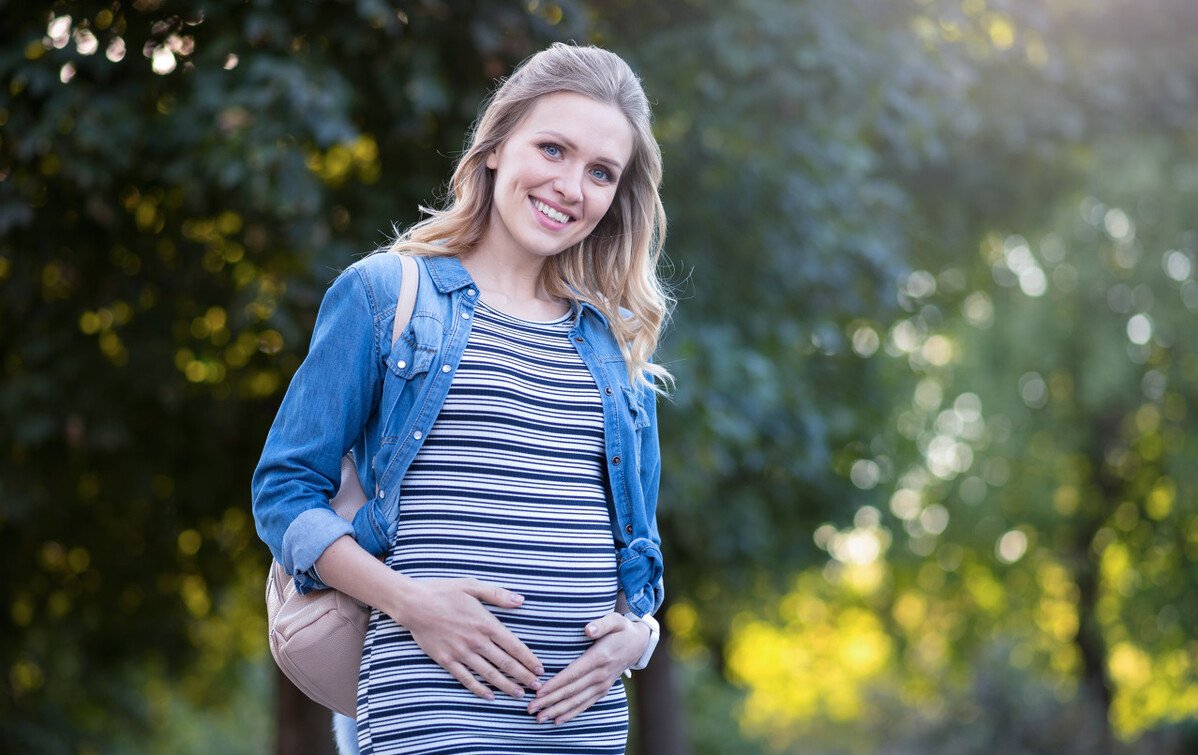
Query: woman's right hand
445, 616
449, 622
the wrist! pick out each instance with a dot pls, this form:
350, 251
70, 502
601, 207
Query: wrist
401, 598
643, 634
650, 625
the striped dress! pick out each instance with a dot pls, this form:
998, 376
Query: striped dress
509, 487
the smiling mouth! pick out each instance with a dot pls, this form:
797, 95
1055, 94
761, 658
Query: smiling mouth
549, 212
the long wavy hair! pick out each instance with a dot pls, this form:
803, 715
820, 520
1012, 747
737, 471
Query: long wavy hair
614, 268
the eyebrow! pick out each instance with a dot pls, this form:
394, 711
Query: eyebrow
571, 146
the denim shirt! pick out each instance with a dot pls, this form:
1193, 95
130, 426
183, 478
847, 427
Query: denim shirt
356, 392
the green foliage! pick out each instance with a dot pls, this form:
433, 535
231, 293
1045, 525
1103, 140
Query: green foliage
178, 183
848, 184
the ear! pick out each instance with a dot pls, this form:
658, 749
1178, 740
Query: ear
493, 160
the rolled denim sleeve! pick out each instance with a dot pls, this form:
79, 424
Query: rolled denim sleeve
643, 555
322, 414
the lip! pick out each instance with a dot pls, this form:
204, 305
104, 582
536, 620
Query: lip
546, 220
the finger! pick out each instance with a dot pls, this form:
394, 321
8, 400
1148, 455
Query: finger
509, 643
612, 622
566, 676
513, 668
582, 706
494, 676
573, 705
546, 698
463, 675
493, 594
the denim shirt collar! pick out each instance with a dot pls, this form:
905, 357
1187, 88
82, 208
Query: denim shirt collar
449, 275
577, 306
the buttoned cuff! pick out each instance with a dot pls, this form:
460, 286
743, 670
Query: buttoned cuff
305, 540
640, 568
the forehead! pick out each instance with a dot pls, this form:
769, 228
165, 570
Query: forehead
596, 129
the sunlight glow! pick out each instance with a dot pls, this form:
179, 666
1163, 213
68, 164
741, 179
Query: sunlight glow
865, 473
163, 61
1011, 547
59, 31
1139, 329
115, 51
86, 42
1117, 224
865, 341
978, 309
1178, 265
905, 504
1033, 390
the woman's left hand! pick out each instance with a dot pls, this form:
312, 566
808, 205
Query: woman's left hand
618, 643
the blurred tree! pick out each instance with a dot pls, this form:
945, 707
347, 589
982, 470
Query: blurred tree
1055, 428
1043, 441
782, 230
178, 183
1034, 561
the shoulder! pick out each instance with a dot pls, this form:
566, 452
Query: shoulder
381, 273
377, 270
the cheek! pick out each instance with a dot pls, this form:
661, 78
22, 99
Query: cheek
604, 206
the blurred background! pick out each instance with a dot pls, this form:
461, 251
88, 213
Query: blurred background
930, 479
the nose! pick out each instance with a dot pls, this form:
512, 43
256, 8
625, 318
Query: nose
569, 185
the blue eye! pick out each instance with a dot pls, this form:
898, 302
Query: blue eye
601, 174
552, 150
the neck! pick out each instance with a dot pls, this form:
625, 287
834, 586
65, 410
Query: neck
504, 270
511, 277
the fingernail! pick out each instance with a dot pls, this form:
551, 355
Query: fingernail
590, 628
541, 719
534, 710
518, 694
539, 670
490, 696
535, 685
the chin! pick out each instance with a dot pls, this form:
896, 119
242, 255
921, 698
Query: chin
549, 250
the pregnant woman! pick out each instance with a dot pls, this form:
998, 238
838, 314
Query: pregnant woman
509, 435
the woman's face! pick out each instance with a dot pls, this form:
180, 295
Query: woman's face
556, 174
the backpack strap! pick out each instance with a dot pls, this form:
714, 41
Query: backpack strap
409, 282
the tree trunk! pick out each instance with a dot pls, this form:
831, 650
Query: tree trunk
661, 720
1095, 687
1095, 684
302, 727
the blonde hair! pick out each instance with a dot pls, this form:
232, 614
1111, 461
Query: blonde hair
615, 268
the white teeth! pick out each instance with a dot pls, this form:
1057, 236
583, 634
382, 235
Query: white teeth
548, 211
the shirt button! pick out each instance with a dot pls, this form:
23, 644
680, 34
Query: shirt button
628, 528
444, 368
382, 494
615, 460
578, 338
401, 364
465, 315
471, 292
607, 390
417, 435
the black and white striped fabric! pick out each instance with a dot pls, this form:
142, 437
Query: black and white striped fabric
509, 488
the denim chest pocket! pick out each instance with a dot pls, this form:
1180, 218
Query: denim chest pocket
416, 348
640, 417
